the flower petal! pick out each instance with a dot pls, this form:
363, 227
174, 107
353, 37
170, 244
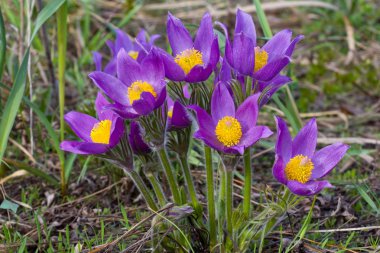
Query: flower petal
111, 86
283, 146
205, 37
278, 44
180, 118
136, 141
209, 139
199, 74
102, 112
253, 135
244, 24
128, 70
222, 104
292, 45
308, 189
306, 140
153, 68
327, 158
81, 124
172, 70
272, 69
179, 37
145, 104
205, 122
242, 55
126, 112
117, 131
278, 170
248, 112
269, 88
97, 59
83, 148
122, 41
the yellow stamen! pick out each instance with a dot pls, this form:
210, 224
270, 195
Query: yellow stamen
188, 59
261, 58
170, 112
228, 131
101, 132
138, 87
133, 54
299, 168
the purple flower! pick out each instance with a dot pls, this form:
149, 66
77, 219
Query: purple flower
191, 61
139, 147
177, 115
98, 135
297, 164
248, 59
228, 130
138, 89
267, 89
136, 49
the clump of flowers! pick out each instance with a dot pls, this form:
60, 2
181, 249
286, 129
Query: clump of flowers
159, 104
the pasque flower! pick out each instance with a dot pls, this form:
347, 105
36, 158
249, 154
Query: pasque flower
248, 59
138, 145
191, 61
98, 135
135, 48
297, 164
177, 115
139, 87
227, 130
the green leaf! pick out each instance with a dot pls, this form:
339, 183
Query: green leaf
3, 43
9, 205
45, 14
12, 105
69, 165
36, 172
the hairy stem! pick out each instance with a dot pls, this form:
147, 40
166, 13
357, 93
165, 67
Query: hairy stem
229, 202
210, 196
169, 174
189, 180
157, 189
247, 182
143, 190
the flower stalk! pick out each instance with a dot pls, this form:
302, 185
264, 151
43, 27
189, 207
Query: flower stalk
189, 180
165, 163
247, 182
157, 189
210, 196
143, 189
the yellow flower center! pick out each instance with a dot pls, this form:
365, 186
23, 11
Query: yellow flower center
228, 131
101, 132
133, 54
261, 58
188, 59
170, 112
299, 168
138, 87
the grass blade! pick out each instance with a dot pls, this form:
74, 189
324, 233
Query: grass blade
62, 45
45, 14
3, 43
36, 172
12, 105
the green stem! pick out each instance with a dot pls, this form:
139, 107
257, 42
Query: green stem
169, 174
189, 180
229, 202
247, 182
210, 196
157, 189
143, 190
62, 45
